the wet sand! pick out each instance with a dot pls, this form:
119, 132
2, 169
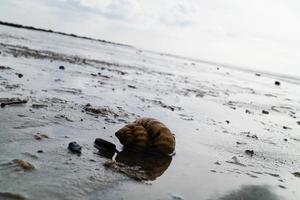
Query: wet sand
216, 113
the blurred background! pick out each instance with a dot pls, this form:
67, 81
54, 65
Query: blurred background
250, 34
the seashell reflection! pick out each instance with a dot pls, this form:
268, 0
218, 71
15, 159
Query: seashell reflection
140, 166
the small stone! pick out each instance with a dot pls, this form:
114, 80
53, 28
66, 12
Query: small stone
247, 111
297, 174
132, 86
20, 75
285, 127
257, 74
285, 139
227, 121
61, 67
40, 151
249, 152
282, 186
74, 148
265, 112
298, 122
277, 83
103, 144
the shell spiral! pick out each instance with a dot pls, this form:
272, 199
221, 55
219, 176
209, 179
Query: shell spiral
147, 135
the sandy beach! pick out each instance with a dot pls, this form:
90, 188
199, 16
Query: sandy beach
237, 132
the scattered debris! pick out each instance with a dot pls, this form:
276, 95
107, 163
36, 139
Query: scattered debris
37, 106
26, 166
13, 103
103, 144
19, 75
63, 117
277, 83
285, 127
4, 67
265, 112
236, 161
248, 111
297, 174
249, 152
74, 148
282, 186
132, 86
134, 172
40, 136
272, 174
11, 196
240, 143
175, 197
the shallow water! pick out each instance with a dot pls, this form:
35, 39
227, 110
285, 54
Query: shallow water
193, 99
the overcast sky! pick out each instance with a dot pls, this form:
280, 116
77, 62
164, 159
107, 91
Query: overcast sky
259, 34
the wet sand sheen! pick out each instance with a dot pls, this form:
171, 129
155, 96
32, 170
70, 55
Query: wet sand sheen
216, 114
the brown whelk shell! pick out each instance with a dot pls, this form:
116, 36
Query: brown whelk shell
147, 135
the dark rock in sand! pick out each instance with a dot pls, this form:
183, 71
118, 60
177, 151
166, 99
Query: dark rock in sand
132, 86
13, 103
249, 152
265, 112
227, 121
103, 144
74, 148
40, 151
61, 67
297, 174
257, 74
19, 75
285, 127
247, 111
277, 83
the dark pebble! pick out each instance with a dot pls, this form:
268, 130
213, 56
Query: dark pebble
61, 67
249, 152
20, 75
103, 144
285, 127
227, 121
285, 139
277, 83
132, 86
74, 147
265, 112
257, 74
40, 151
298, 122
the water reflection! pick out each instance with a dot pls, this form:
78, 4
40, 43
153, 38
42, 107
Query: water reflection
251, 192
150, 166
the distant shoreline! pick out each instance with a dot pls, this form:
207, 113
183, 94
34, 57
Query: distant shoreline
293, 79
60, 33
